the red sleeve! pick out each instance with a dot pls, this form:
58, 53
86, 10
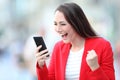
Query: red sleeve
42, 73
47, 73
106, 70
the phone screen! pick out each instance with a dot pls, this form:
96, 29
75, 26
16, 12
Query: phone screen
39, 41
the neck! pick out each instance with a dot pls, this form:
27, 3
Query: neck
77, 44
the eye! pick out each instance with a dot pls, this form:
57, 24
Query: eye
55, 23
63, 24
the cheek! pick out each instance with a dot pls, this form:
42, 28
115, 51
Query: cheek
70, 30
71, 33
55, 28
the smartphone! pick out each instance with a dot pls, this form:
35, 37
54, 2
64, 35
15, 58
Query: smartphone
39, 41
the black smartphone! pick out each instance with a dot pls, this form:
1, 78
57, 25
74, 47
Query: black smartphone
39, 41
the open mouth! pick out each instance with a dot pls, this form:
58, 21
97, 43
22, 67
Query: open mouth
64, 35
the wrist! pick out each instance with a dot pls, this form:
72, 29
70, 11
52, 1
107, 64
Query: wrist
41, 64
95, 67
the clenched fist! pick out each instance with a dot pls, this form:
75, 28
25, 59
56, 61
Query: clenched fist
92, 60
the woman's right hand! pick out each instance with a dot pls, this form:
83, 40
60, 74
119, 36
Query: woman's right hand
41, 56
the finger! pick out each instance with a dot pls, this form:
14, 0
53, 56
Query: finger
47, 55
91, 54
42, 52
38, 48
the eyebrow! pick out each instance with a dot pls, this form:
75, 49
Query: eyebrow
60, 22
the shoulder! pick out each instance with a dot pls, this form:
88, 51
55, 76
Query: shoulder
99, 44
97, 41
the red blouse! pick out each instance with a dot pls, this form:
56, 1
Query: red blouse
57, 65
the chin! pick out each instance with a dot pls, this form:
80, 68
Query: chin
65, 41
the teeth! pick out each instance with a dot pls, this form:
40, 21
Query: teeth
64, 34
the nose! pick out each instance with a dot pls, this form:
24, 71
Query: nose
58, 29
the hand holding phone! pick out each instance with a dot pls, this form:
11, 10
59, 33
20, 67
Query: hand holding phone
39, 41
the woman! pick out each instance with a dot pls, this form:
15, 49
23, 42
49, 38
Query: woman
81, 54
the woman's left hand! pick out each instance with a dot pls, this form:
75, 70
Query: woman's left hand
92, 60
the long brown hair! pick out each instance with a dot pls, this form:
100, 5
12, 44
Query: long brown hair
77, 19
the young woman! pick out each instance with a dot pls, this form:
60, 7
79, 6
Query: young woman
81, 54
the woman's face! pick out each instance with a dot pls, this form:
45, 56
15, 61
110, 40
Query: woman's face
63, 28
